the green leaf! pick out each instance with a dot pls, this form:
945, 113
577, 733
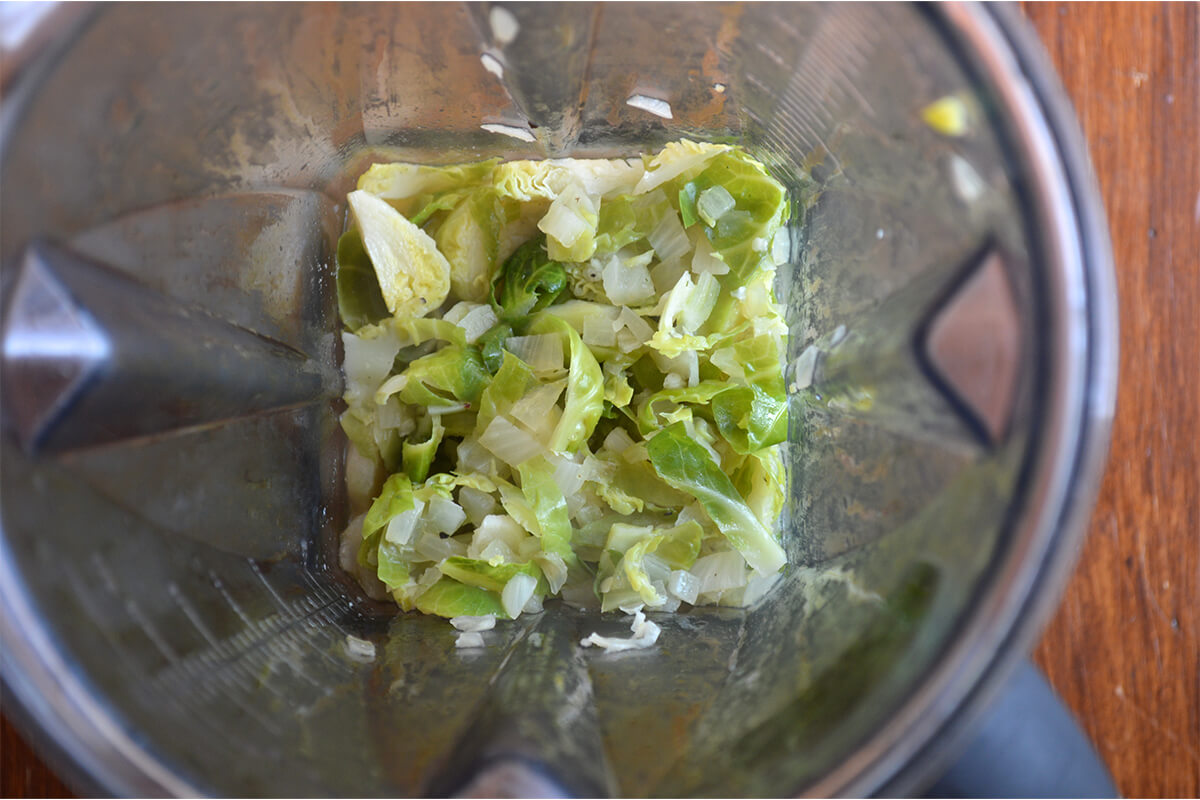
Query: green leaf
449, 598
491, 346
760, 209
699, 395
394, 499
359, 300
414, 277
687, 204
760, 479
618, 225
393, 568
417, 456
469, 239
511, 382
528, 282
585, 388
688, 467
452, 374
492, 577
549, 506
570, 224
400, 182
750, 418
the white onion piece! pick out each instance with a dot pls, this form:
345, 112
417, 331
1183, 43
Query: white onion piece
443, 516
509, 443
627, 280
554, 568
700, 304
400, 529
469, 639
476, 504
481, 623
720, 571
683, 585
669, 238
543, 353
714, 203
431, 547
516, 594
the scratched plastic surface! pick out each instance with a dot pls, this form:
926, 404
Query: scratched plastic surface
186, 579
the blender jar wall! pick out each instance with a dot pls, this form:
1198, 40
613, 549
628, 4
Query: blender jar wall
179, 585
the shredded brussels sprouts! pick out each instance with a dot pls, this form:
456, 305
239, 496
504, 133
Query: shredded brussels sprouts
564, 379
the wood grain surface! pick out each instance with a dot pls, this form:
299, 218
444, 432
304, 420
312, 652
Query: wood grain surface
1124, 648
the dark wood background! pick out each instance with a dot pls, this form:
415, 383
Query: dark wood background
1124, 648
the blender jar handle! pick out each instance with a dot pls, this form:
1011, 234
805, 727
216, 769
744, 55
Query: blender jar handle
1027, 745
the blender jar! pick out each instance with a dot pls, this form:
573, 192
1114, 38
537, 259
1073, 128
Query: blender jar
174, 180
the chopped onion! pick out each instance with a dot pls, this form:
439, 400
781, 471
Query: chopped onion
693, 513
669, 238
543, 353
476, 504
554, 568
482, 623
700, 304
473, 457
476, 321
367, 362
720, 571
627, 280
362, 478
495, 553
459, 310
402, 526
597, 471
705, 259
533, 605
758, 586
634, 323
498, 536
757, 302
645, 634
683, 585
590, 513
567, 219
666, 274
394, 416
632, 330
538, 410
442, 515
359, 649
726, 360
509, 443
469, 639
714, 203
686, 365
348, 545
618, 441
568, 475
431, 547
781, 247
598, 331
516, 593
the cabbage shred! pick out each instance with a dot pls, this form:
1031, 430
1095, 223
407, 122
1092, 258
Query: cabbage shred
564, 378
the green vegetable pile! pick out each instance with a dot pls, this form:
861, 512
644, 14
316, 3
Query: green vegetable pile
564, 378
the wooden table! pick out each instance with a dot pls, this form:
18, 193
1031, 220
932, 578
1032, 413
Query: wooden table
1124, 649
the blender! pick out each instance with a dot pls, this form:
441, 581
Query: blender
174, 182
